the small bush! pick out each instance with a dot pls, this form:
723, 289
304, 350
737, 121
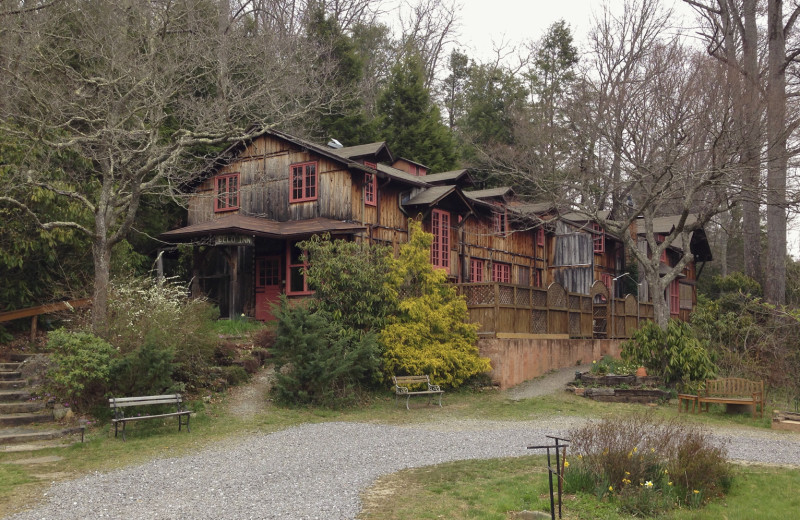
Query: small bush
81, 366
234, 375
676, 353
250, 364
261, 354
649, 466
145, 371
264, 339
225, 354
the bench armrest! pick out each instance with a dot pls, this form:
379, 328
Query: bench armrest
401, 389
434, 388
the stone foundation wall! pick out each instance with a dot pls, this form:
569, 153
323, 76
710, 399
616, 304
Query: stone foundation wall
517, 360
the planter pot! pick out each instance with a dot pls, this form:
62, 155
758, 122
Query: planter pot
641, 372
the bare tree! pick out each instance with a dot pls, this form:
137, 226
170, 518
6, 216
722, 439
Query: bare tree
135, 91
428, 27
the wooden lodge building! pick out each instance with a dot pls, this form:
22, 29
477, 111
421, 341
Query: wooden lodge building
521, 268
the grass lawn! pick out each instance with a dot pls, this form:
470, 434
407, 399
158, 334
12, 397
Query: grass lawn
523, 487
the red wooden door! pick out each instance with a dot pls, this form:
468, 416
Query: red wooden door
268, 285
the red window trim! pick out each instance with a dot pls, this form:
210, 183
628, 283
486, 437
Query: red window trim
476, 270
290, 244
540, 236
598, 240
537, 277
440, 248
607, 281
501, 272
303, 184
674, 297
228, 198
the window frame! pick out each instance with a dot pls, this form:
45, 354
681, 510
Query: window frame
540, 237
598, 238
499, 222
476, 270
222, 201
674, 297
290, 246
305, 185
501, 272
370, 185
440, 248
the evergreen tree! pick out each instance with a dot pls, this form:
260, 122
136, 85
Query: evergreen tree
409, 120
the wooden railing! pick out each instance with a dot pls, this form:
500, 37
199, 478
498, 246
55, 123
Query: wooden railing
507, 308
35, 312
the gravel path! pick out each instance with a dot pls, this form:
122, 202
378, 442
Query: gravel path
318, 471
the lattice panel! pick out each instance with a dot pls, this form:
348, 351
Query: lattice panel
574, 324
480, 295
523, 297
599, 311
586, 304
506, 295
574, 302
538, 322
556, 297
539, 298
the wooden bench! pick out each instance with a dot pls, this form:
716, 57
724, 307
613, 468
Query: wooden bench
403, 385
118, 403
688, 400
733, 390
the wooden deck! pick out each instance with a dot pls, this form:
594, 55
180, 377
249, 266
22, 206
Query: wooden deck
506, 308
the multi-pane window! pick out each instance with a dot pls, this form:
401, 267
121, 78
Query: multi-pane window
226, 192
499, 223
476, 270
303, 182
440, 249
598, 239
370, 186
607, 281
296, 269
501, 272
674, 297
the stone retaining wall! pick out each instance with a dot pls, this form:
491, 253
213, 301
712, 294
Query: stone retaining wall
516, 360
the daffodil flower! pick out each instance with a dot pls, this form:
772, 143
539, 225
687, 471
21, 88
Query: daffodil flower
649, 483
611, 488
695, 492
669, 483
566, 464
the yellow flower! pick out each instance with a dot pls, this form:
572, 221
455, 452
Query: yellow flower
627, 472
566, 464
635, 449
580, 457
648, 484
666, 472
611, 488
630, 454
695, 491
669, 483
652, 450
594, 362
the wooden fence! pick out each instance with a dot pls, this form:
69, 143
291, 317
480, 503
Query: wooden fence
507, 308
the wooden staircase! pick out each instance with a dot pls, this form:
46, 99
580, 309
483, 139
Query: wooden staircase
24, 421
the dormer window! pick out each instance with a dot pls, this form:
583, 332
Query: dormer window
226, 192
370, 186
303, 182
499, 223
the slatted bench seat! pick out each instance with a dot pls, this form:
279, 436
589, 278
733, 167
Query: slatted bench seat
733, 390
118, 403
404, 386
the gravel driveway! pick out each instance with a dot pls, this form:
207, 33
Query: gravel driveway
318, 471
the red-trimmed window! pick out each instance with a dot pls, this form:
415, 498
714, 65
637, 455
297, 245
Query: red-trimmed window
501, 272
296, 268
598, 238
538, 277
540, 236
370, 186
606, 279
440, 249
226, 192
476, 270
303, 182
674, 297
499, 223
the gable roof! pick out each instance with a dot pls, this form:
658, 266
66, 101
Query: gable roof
462, 177
394, 173
379, 150
490, 193
698, 241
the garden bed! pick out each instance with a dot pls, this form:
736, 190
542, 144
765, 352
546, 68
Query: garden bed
789, 421
614, 388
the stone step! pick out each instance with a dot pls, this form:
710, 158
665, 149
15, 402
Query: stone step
18, 357
21, 407
21, 436
18, 419
9, 366
7, 396
5, 375
19, 383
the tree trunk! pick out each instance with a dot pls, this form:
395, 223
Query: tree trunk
101, 253
775, 286
660, 304
750, 160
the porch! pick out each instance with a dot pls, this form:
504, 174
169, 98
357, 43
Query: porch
502, 309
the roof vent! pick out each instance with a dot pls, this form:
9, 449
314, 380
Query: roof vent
333, 143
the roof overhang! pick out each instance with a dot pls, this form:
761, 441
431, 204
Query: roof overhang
261, 227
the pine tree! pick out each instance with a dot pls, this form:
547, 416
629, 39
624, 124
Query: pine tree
409, 120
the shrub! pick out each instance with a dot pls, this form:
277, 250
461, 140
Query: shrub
609, 365
234, 375
81, 367
145, 371
318, 362
264, 339
647, 465
225, 353
676, 354
430, 334
249, 363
